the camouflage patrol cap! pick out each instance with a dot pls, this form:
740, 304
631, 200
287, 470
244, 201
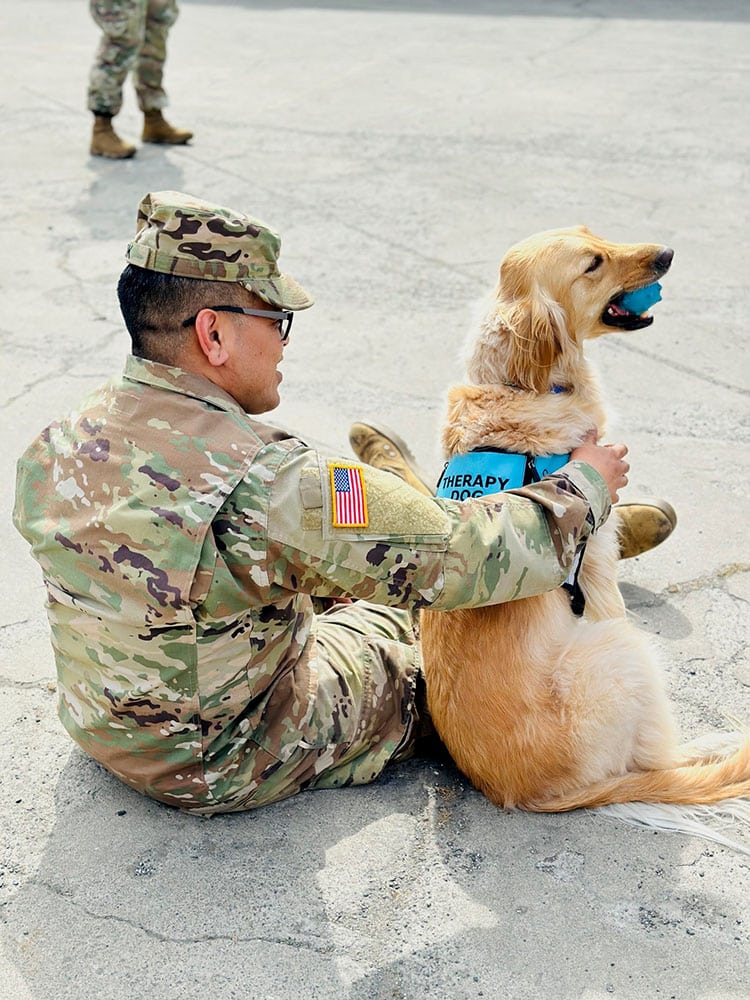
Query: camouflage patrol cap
179, 234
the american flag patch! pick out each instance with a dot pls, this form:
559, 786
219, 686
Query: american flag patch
348, 497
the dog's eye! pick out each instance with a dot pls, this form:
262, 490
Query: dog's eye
595, 263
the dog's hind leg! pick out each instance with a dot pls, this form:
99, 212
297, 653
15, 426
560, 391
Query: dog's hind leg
656, 745
618, 712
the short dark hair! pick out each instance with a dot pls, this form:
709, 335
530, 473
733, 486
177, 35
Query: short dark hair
154, 305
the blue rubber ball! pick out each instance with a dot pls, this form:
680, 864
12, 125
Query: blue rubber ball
641, 299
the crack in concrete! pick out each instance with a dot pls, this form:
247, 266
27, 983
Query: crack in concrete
376, 237
688, 586
28, 386
709, 580
23, 621
57, 372
677, 366
48, 684
297, 942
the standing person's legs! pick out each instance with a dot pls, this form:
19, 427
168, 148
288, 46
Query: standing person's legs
149, 74
122, 24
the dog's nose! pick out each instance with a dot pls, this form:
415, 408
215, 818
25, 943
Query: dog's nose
663, 260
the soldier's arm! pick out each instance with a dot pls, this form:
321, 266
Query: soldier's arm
418, 551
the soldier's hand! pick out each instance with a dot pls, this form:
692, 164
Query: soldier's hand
608, 460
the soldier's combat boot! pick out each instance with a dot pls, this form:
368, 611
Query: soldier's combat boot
106, 142
643, 524
157, 129
381, 447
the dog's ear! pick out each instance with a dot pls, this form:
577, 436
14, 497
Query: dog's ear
537, 332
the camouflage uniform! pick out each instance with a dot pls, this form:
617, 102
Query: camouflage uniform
134, 38
184, 546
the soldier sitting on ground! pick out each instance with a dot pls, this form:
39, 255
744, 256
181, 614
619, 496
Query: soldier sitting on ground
233, 611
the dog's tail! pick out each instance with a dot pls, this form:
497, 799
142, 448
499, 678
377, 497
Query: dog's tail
697, 784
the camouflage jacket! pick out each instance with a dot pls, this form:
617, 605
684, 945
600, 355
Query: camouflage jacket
181, 544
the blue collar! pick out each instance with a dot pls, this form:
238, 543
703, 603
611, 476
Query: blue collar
553, 388
488, 470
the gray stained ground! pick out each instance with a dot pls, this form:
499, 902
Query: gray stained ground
401, 148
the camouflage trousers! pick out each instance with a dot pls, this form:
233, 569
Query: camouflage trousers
134, 39
368, 710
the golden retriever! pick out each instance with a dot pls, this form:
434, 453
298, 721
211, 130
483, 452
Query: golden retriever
540, 708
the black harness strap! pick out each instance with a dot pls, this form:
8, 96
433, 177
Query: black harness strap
572, 586
532, 474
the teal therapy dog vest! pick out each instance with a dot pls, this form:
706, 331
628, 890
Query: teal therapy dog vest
489, 470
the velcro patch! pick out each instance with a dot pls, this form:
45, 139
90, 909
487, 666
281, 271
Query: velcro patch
348, 496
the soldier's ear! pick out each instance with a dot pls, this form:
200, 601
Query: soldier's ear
208, 333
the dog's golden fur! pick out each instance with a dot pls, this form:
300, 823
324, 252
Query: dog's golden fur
539, 708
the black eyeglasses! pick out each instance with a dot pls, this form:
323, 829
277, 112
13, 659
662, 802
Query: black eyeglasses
283, 318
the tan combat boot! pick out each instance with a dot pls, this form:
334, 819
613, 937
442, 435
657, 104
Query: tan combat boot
381, 447
157, 129
106, 142
643, 524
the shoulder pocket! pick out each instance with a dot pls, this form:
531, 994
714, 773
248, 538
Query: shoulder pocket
360, 503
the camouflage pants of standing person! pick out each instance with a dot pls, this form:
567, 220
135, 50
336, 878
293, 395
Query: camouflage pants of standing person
134, 39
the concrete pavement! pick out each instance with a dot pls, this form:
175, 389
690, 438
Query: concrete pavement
400, 147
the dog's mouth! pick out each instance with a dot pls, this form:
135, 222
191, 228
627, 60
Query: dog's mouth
629, 309
617, 315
